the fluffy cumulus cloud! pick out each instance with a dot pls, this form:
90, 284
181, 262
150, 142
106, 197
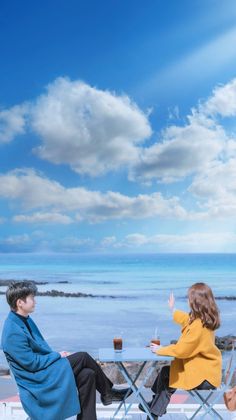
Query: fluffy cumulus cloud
194, 147
216, 189
92, 130
182, 151
95, 131
12, 122
222, 102
33, 191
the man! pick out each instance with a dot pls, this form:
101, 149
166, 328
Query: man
46, 379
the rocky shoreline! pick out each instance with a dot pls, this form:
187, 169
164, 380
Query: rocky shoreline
38, 283
59, 293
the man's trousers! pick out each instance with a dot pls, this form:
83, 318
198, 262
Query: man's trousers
89, 377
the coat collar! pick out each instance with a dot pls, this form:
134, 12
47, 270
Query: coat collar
16, 319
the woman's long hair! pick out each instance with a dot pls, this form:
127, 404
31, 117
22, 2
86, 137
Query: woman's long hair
202, 304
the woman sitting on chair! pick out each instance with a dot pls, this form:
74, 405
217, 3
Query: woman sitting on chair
197, 362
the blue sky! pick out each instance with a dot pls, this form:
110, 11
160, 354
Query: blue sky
118, 126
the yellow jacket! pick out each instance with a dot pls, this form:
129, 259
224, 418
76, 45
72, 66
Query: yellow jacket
196, 356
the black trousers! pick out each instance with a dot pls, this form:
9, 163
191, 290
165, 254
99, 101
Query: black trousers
89, 377
163, 391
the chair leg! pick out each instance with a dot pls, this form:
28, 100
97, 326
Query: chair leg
204, 404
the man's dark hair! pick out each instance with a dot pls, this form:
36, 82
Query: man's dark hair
19, 290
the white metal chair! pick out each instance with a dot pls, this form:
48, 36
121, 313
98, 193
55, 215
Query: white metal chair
208, 398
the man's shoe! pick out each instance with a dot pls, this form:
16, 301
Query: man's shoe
116, 394
106, 399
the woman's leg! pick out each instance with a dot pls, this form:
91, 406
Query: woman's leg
162, 392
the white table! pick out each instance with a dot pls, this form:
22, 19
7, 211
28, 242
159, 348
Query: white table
143, 355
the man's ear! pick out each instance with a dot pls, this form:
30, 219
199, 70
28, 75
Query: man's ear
18, 303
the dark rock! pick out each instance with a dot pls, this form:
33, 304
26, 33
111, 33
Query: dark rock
226, 342
63, 282
59, 293
113, 373
4, 370
225, 297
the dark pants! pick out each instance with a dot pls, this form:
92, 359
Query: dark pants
89, 377
163, 391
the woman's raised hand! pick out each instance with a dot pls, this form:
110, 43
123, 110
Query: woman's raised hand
171, 301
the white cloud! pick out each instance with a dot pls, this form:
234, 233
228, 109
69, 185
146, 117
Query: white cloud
216, 188
182, 151
93, 131
34, 191
195, 147
12, 122
108, 241
41, 217
222, 101
15, 240
193, 242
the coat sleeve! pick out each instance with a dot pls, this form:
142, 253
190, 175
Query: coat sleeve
180, 317
18, 348
187, 346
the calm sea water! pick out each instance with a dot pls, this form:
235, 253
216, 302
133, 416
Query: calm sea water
140, 286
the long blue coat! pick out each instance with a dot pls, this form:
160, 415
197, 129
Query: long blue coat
45, 380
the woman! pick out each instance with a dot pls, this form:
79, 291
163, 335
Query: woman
197, 360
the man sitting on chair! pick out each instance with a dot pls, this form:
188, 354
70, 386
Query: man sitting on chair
46, 379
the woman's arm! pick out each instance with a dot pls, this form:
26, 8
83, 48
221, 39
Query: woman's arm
179, 317
188, 344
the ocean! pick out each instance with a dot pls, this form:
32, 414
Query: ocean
131, 294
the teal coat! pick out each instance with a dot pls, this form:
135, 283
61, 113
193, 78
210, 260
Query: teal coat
45, 380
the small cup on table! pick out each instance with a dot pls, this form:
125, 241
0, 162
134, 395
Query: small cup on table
156, 341
118, 344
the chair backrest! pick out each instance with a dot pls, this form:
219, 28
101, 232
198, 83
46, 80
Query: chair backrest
230, 366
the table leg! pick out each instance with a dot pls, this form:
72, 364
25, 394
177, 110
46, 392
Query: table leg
137, 390
130, 382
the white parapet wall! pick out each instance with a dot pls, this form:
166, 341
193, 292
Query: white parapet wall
14, 411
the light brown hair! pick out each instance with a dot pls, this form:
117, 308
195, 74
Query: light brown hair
202, 304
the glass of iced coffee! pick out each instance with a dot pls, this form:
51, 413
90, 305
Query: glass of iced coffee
156, 341
117, 343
